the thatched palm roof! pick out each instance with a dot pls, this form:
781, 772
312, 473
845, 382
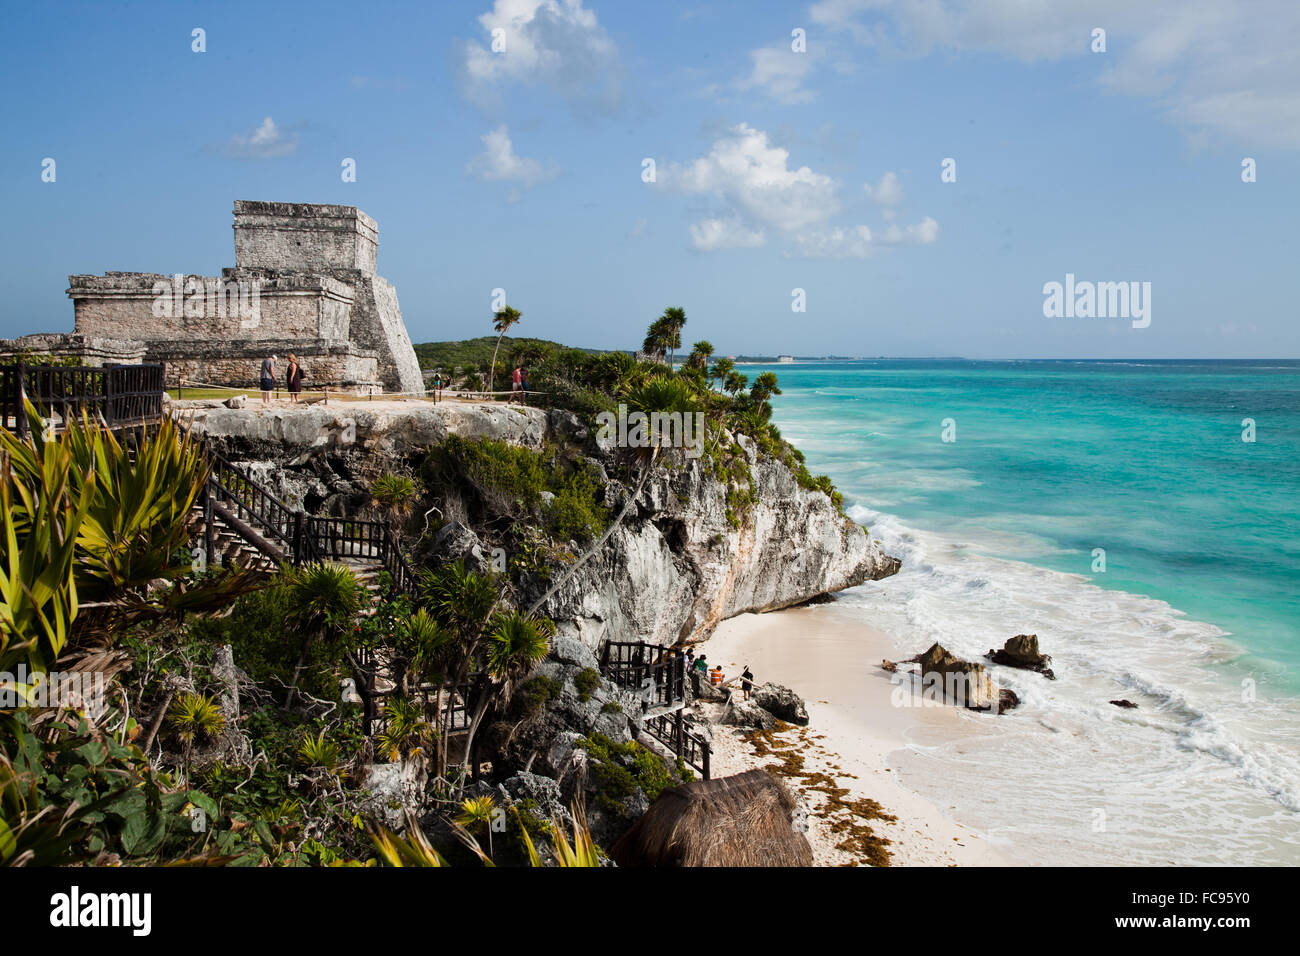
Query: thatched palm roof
745, 820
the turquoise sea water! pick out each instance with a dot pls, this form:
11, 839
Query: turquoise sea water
1144, 459
1196, 615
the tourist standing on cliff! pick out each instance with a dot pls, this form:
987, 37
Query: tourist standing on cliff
516, 379
437, 386
293, 377
268, 378
523, 383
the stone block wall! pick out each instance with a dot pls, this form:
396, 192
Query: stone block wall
377, 324
221, 363
304, 237
91, 351
147, 307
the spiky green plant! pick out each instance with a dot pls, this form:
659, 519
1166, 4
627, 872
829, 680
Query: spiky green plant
412, 850
138, 526
581, 852
41, 514
421, 644
324, 600
320, 752
393, 493
407, 734
516, 644
195, 716
477, 813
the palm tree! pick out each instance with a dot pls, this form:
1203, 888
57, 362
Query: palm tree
463, 603
735, 382
323, 600
720, 370
515, 646
501, 322
657, 340
764, 387
701, 352
420, 647
674, 319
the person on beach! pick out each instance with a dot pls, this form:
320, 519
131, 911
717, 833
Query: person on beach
690, 658
715, 675
701, 664
293, 377
746, 681
268, 378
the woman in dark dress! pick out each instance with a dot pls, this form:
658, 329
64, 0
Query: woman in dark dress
293, 377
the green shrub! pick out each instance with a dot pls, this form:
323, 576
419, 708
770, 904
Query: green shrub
536, 693
509, 479
618, 770
578, 509
393, 492
266, 646
587, 680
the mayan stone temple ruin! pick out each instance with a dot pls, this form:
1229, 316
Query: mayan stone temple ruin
304, 282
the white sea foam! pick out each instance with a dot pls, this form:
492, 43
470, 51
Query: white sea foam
1196, 774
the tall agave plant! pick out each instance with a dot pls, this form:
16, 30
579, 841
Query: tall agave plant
138, 525
40, 520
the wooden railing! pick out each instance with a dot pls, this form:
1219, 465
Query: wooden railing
236, 491
458, 701
117, 395
658, 675
670, 730
300, 538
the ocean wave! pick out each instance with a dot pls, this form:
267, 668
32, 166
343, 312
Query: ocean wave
1192, 736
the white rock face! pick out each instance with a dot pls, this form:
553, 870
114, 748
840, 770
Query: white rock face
384, 427
671, 572
677, 568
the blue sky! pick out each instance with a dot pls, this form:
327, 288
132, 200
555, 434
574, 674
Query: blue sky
775, 169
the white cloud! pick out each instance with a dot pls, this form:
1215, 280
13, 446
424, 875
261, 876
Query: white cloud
859, 242
779, 72
755, 190
888, 192
710, 234
557, 43
500, 163
1230, 68
265, 142
753, 178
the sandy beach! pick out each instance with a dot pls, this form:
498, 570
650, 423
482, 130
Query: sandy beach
840, 764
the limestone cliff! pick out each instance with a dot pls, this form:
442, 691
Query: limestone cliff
673, 569
676, 567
